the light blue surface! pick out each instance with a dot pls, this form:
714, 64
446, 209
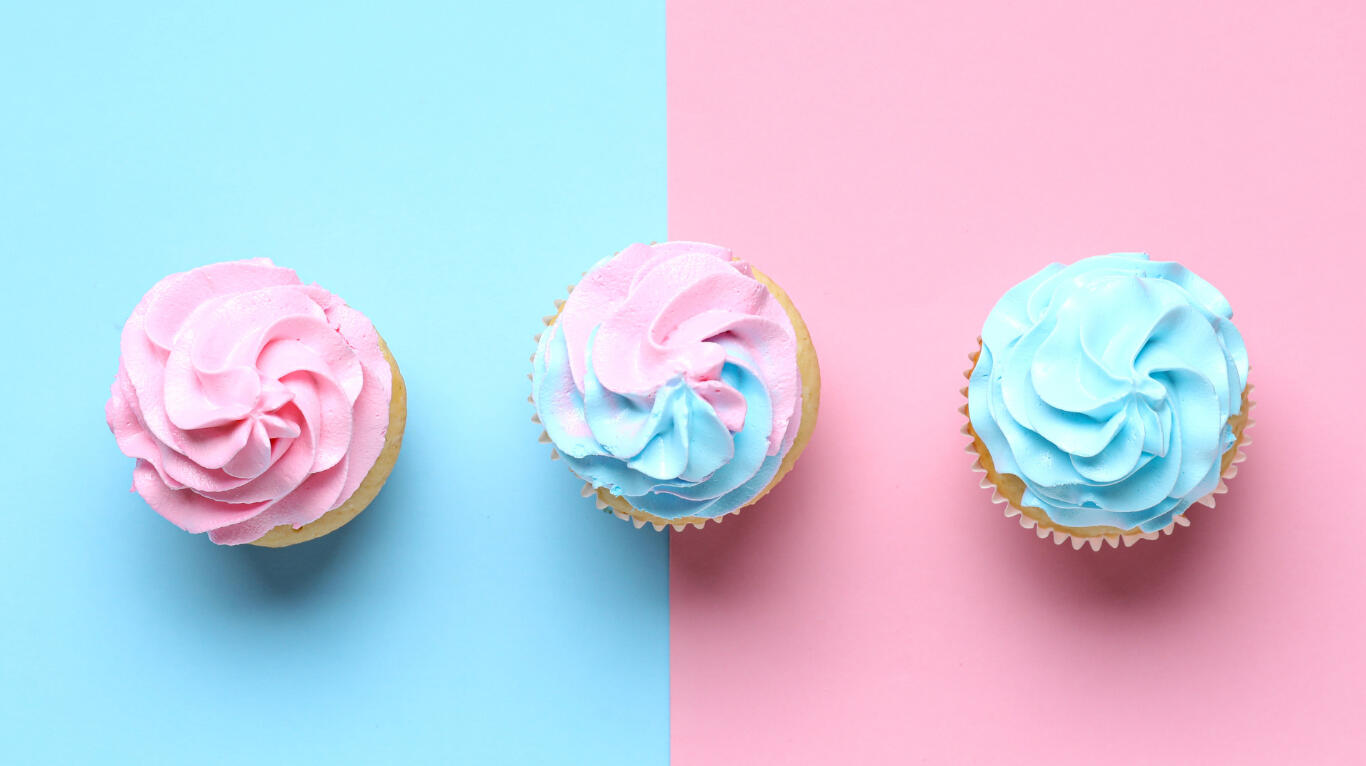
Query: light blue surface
449, 173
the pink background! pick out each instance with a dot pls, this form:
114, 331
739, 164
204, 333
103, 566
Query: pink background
896, 169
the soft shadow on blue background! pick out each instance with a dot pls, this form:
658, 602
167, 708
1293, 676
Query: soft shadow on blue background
448, 172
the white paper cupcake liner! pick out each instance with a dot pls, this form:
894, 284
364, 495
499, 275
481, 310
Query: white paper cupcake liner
1096, 541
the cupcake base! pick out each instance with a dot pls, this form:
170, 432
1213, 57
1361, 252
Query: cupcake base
1009, 489
809, 368
286, 535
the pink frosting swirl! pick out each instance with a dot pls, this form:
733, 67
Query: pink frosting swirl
659, 306
249, 399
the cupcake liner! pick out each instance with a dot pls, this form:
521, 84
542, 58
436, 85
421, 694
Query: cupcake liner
588, 489
659, 526
1112, 539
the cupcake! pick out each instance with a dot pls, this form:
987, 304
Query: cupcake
1107, 398
678, 382
259, 409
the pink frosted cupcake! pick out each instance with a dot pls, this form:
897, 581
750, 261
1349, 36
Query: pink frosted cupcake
260, 410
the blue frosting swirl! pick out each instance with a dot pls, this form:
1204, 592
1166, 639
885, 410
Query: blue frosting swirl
669, 454
1107, 387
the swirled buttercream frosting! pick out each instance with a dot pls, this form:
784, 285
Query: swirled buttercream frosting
1107, 387
249, 399
670, 378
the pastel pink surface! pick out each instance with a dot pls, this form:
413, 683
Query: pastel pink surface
896, 169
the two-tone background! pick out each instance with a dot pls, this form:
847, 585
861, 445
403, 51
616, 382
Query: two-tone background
896, 166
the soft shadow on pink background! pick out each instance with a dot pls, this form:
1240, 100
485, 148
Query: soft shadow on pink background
896, 169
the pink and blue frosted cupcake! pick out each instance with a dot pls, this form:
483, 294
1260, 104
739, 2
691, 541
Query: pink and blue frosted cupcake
1108, 397
678, 382
259, 409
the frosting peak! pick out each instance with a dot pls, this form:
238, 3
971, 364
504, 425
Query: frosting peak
249, 399
1107, 387
670, 377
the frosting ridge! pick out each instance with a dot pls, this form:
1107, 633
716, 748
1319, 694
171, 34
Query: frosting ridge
249, 399
1107, 387
670, 377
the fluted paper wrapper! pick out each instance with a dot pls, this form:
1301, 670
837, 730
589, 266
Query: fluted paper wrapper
1114, 539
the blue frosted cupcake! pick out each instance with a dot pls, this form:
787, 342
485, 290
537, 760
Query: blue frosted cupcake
1107, 398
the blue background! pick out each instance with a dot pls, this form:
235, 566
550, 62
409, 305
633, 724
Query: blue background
448, 172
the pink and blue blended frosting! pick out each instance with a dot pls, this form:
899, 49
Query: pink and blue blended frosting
1107, 386
670, 378
249, 399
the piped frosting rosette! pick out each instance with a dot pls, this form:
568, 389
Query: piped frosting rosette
1110, 394
670, 380
249, 399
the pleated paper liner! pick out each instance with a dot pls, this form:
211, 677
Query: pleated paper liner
1095, 537
619, 507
